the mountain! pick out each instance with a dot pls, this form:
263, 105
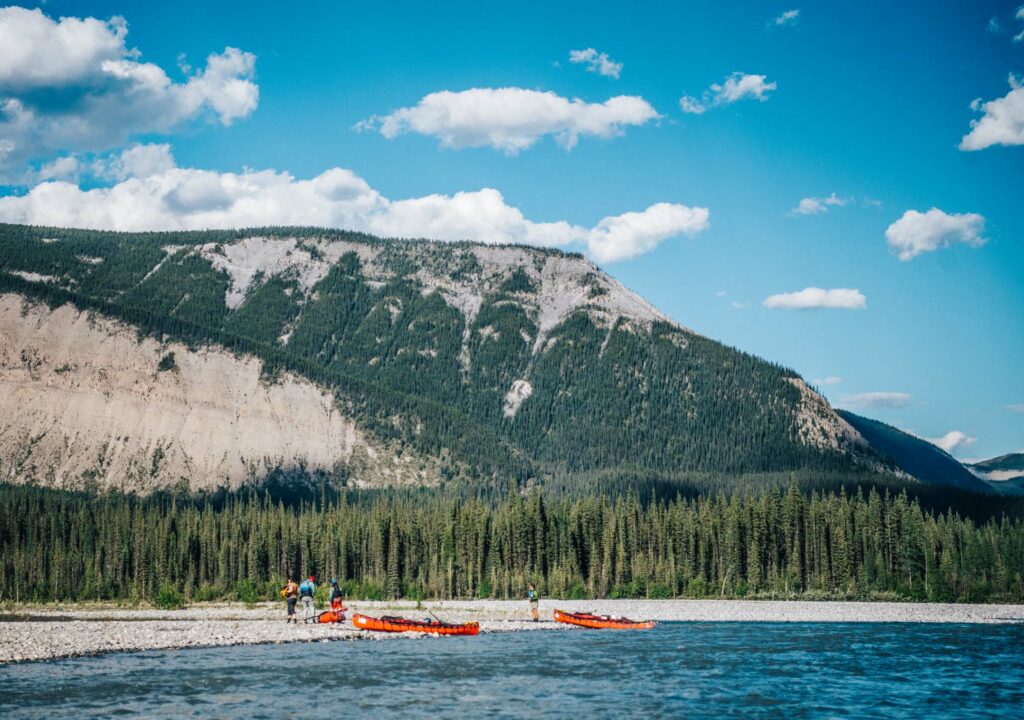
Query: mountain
1004, 473
224, 357
921, 459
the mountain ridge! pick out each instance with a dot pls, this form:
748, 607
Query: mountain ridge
544, 363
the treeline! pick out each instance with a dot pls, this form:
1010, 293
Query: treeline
74, 546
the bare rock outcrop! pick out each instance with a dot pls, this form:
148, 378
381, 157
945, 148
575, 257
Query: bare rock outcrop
84, 401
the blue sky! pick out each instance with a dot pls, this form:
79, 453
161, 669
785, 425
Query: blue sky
864, 103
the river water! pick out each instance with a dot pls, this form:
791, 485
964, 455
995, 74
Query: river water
679, 669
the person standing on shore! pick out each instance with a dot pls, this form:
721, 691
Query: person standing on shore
335, 597
291, 595
306, 592
534, 597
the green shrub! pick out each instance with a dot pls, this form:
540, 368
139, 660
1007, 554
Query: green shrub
248, 591
166, 363
168, 597
207, 593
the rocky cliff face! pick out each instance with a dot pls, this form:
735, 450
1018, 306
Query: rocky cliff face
84, 401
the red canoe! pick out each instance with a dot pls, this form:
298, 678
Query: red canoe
397, 624
602, 622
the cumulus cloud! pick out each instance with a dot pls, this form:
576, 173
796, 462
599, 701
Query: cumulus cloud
952, 441
634, 233
511, 119
596, 62
818, 205
830, 380
917, 232
812, 297
737, 86
876, 400
1002, 122
154, 194
73, 85
790, 17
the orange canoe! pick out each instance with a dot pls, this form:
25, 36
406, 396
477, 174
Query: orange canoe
331, 616
602, 622
397, 624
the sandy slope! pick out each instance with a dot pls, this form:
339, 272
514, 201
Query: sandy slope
51, 632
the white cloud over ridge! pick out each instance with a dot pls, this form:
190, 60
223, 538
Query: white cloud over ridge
511, 119
790, 17
73, 85
818, 205
813, 297
155, 194
825, 381
1002, 122
918, 232
952, 441
876, 400
596, 62
735, 87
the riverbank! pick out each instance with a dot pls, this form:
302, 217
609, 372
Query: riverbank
50, 632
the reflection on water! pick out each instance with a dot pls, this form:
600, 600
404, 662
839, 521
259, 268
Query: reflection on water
679, 669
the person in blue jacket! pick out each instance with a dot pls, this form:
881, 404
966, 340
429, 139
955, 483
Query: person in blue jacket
306, 592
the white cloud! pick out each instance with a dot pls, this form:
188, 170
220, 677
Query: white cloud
876, 400
73, 85
1016, 407
138, 161
952, 441
825, 381
993, 25
1019, 37
154, 194
734, 305
917, 233
634, 233
812, 297
596, 62
737, 86
818, 205
1002, 122
790, 17
511, 119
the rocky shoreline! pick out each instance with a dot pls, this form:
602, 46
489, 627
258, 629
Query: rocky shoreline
32, 633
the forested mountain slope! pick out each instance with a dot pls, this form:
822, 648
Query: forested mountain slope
465, 361
920, 458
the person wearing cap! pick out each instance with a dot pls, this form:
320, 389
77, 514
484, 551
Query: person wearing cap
306, 592
335, 596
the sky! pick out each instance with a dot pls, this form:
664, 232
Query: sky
836, 187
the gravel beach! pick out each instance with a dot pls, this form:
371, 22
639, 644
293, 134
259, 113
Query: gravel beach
50, 632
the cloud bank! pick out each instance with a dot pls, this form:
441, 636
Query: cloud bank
73, 85
813, 297
596, 62
917, 232
736, 87
511, 119
154, 194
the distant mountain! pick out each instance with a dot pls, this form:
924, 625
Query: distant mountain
920, 458
1004, 473
223, 357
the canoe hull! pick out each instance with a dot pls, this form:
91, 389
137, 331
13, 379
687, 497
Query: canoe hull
398, 625
602, 622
